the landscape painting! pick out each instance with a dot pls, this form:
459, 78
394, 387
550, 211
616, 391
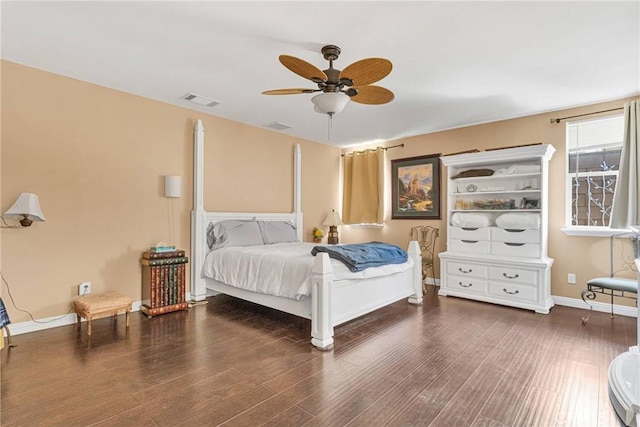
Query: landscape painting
415, 192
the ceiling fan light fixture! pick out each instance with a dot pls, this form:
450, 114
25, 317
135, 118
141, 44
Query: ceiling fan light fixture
330, 102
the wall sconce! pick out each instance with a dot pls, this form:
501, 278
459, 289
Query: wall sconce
26, 208
333, 221
172, 186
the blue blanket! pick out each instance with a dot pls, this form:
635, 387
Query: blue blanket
360, 256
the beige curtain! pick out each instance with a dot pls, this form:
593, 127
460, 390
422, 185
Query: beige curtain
626, 200
363, 187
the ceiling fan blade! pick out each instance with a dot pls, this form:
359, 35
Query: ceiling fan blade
303, 68
373, 95
288, 91
367, 71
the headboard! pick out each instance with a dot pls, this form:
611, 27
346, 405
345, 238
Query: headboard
200, 218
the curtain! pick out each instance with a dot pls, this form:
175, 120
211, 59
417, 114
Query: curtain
626, 200
363, 187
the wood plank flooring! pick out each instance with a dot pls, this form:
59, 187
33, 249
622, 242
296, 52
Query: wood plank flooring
450, 362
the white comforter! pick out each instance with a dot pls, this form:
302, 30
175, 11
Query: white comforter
282, 269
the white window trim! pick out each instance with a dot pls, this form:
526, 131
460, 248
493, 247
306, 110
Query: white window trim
376, 226
592, 231
584, 230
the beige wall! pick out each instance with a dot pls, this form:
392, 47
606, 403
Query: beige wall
96, 158
587, 257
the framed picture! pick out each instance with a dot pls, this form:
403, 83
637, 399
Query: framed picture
529, 203
415, 187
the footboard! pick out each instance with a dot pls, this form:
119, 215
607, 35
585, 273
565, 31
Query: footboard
334, 303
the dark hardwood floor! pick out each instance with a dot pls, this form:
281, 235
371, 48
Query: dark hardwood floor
450, 362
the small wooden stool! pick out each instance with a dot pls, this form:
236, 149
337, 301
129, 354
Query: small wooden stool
97, 306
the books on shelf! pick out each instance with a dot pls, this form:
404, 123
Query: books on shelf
157, 255
163, 282
165, 261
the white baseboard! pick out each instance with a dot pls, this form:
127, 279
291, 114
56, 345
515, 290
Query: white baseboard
603, 307
432, 281
52, 322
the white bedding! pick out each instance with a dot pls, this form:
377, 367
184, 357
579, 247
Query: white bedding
282, 269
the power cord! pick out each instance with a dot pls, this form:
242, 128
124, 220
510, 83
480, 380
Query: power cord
6, 225
26, 311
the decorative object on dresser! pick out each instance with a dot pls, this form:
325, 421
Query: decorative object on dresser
163, 281
333, 220
497, 228
415, 188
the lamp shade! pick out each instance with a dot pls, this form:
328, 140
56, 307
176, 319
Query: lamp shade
27, 206
333, 219
330, 102
172, 186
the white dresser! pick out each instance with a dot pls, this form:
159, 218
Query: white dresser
497, 204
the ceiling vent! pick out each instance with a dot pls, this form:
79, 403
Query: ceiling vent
277, 126
201, 100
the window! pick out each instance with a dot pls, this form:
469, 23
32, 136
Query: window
593, 153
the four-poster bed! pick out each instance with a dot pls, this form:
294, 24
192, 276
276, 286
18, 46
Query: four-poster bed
330, 303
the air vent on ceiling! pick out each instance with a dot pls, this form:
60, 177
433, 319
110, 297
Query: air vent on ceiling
201, 100
277, 126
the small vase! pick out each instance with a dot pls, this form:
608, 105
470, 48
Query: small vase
317, 240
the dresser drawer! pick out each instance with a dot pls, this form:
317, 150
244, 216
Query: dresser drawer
459, 233
467, 270
469, 246
526, 250
513, 291
515, 236
513, 275
467, 284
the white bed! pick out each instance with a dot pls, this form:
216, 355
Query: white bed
331, 303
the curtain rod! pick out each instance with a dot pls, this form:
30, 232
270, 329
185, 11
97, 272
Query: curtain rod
384, 148
585, 114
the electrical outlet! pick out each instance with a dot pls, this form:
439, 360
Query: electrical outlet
571, 279
84, 288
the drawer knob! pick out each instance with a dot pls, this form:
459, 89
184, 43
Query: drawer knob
465, 271
466, 286
510, 277
510, 293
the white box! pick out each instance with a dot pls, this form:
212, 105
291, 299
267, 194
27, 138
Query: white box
525, 250
469, 246
512, 236
460, 233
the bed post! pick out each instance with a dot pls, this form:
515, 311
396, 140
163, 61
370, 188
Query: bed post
198, 226
416, 281
297, 190
321, 322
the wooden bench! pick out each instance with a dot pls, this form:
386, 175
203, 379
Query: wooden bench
97, 306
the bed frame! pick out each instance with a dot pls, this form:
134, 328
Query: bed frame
331, 303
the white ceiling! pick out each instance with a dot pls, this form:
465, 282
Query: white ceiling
455, 63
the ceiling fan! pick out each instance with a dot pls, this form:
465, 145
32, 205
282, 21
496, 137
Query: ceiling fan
339, 87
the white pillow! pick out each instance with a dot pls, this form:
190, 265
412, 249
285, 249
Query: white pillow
277, 232
471, 220
233, 233
519, 221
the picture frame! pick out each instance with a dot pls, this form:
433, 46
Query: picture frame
528, 203
415, 187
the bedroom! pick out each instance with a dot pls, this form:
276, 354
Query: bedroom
95, 156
